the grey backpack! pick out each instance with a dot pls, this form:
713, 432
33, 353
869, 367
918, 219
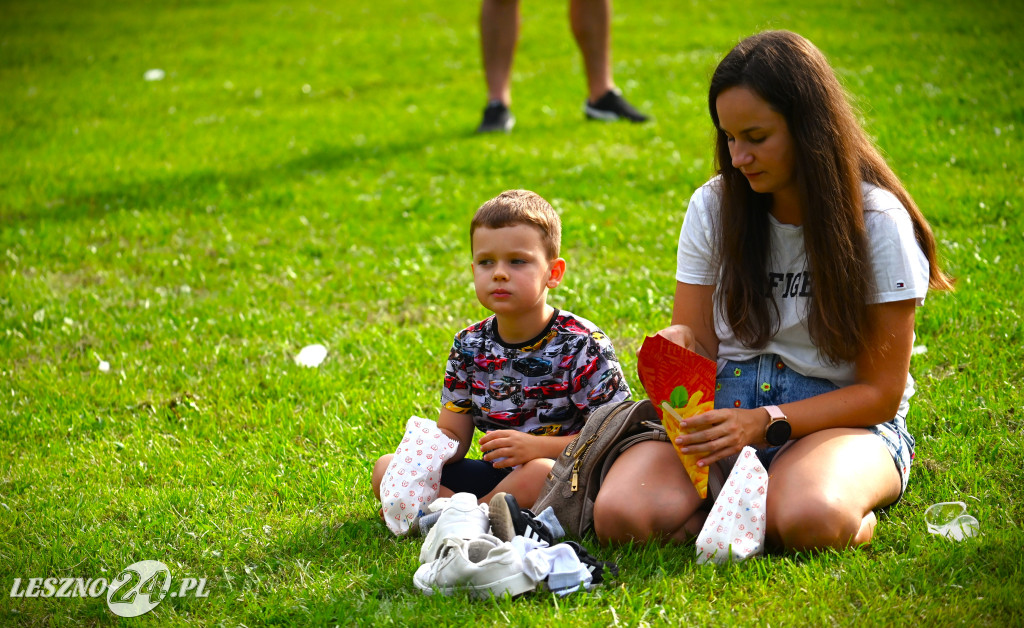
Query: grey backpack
573, 483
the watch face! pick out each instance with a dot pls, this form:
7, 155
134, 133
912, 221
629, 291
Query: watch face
778, 432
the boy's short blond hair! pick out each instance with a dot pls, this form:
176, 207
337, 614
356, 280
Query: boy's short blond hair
521, 207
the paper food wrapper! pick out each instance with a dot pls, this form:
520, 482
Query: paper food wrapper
735, 527
684, 381
413, 479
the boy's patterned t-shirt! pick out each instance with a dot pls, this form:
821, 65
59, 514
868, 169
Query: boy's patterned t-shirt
548, 385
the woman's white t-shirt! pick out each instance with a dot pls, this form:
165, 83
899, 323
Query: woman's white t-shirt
899, 266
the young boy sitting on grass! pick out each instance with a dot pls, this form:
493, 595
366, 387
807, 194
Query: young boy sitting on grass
529, 375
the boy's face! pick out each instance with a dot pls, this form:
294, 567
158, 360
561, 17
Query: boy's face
511, 271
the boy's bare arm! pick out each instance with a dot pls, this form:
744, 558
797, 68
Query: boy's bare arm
458, 427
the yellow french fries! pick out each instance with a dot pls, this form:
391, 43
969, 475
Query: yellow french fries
672, 420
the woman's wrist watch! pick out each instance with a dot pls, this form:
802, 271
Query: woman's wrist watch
779, 429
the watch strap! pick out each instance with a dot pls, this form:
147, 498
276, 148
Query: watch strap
778, 430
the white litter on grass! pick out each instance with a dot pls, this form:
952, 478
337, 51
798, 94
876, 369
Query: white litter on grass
311, 356
156, 74
918, 350
104, 366
950, 519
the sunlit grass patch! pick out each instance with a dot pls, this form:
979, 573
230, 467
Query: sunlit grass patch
305, 174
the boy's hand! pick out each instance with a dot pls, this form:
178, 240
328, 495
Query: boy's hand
514, 448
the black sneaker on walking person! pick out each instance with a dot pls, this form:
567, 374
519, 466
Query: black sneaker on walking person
612, 106
508, 520
497, 117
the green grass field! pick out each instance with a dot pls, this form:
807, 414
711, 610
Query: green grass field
305, 173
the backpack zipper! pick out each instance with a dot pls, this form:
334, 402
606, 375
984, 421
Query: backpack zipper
579, 454
579, 460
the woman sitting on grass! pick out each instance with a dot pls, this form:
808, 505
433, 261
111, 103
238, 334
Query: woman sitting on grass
800, 267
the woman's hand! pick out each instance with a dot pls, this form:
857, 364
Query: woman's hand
686, 337
722, 433
681, 335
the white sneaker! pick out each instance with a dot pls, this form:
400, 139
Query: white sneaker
483, 566
461, 518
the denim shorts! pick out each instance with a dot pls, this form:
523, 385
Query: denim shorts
767, 381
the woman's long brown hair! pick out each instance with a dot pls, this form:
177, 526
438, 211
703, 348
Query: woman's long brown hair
833, 156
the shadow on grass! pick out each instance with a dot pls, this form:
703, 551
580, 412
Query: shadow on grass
208, 187
362, 551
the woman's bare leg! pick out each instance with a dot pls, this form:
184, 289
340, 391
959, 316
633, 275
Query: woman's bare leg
648, 495
824, 488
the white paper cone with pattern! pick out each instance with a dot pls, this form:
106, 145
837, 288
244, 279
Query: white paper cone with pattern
735, 528
413, 479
